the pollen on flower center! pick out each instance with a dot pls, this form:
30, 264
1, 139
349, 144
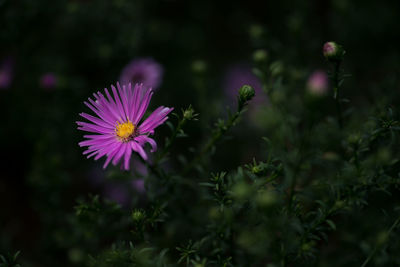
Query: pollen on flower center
125, 131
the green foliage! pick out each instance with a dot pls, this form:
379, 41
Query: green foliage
287, 179
9, 260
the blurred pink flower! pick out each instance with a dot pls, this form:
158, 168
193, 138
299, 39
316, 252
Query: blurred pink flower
118, 193
6, 72
48, 80
122, 192
317, 83
144, 71
138, 185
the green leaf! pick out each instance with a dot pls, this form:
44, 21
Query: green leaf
331, 224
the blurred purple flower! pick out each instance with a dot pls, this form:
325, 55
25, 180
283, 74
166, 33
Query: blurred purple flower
143, 70
238, 75
317, 83
96, 176
118, 193
122, 192
6, 72
48, 80
140, 169
138, 185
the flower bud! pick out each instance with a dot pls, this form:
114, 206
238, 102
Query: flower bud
331, 156
76, 255
382, 238
256, 31
246, 93
266, 199
354, 138
333, 52
256, 169
199, 66
189, 114
138, 216
241, 191
339, 204
276, 68
260, 55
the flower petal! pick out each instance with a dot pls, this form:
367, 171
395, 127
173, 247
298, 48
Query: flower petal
128, 153
139, 149
142, 139
155, 119
111, 154
143, 106
119, 154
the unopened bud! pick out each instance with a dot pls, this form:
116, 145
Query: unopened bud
188, 114
241, 191
382, 238
199, 66
333, 52
76, 255
354, 138
137, 216
276, 68
266, 199
246, 93
256, 31
339, 204
260, 55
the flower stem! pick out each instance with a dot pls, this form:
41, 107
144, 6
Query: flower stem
394, 225
169, 143
222, 129
336, 92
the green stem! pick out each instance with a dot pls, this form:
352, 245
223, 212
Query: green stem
216, 136
292, 187
336, 93
295, 174
167, 147
394, 225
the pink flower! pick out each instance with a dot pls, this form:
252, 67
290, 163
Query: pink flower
144, 70
317, 83
118, 129
138, 185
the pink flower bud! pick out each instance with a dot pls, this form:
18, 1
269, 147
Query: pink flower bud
332, 51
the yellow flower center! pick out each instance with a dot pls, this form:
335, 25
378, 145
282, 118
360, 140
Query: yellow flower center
125, 131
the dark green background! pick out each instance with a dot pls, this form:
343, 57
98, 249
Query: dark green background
87, 43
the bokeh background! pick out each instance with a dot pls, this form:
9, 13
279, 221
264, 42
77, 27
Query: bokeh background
55, 54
